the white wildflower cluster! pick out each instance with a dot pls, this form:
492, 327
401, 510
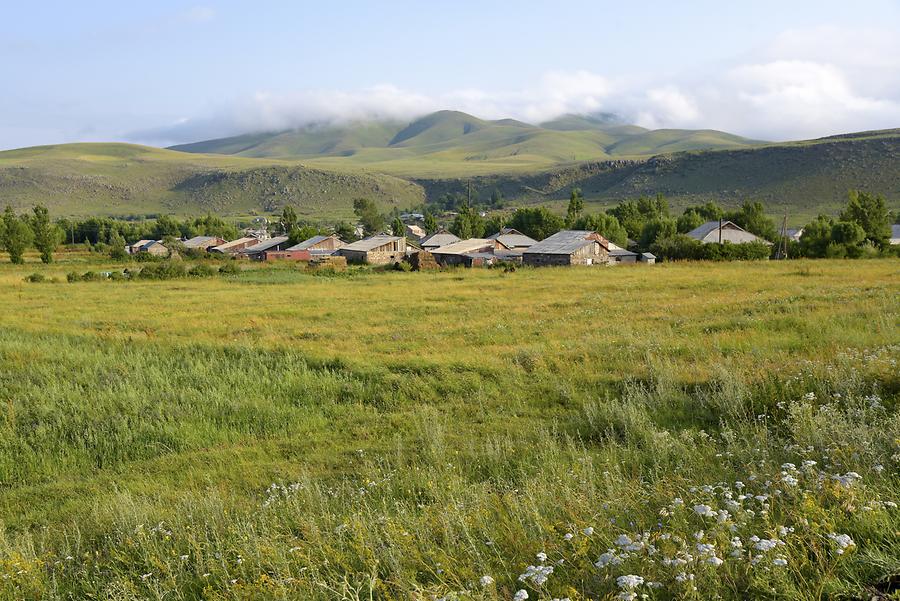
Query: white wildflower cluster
538, 574
842, 542
276, 492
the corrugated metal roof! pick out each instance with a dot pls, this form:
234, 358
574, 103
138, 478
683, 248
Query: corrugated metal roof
266, 244
516, 240
372, 243
234, 243
439, 238
565, 242
731, 232
198, 241
309, 242
464, 246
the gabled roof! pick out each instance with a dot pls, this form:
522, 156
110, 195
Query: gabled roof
709, 232
238, 242
266, 245
306, 244
372, 243
439, 238
141, 243
565, 242
511, 238
464, 246
198, 241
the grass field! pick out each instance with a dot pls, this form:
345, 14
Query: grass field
281, 435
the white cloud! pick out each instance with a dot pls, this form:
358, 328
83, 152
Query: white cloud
199, 14
805, 83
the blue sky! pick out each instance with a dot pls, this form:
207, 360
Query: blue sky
168, 72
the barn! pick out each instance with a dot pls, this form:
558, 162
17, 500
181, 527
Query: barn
713, 232
235, 246
438, 239
376, 250
568, 247
320, 245
203, 242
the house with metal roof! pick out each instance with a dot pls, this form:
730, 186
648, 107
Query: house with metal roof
376, 250
568, 247
713, 232
152, 247
513, 239
438, 239
258, 251
320, 245
414, 231
617, 254
203, 242
794, 234
895, 235
458, 253
235, 246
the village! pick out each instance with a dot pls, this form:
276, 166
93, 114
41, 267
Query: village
440, 248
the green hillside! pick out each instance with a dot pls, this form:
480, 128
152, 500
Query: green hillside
801, 178
457, 144
125, 179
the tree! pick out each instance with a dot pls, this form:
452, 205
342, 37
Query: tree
752, 217
496, 198
299, 233
576, 206
871, 213
431, 224
633, 215
345, 232
397, 227
816, 237
536, 222
166, 227
657, 228
606, 225
117, 247
47, 235
494, 223
288, 219
215, 226
690, 220
468, 223
17, 236
367, 212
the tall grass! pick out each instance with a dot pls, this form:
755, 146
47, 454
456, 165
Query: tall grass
397, 436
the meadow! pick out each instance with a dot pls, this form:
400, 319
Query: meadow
678, 431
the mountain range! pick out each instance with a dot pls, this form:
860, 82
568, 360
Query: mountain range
457, 144
320, 169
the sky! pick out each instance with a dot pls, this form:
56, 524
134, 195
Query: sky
170, 72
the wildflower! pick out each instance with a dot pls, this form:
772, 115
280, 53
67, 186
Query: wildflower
629, 581
542, 557
147, 575
588, 531
715, 561
537, 574
568, 536
779, 561
486, 580
843, 542
184, 558
847, 480
703, 510
608, 558
520, 595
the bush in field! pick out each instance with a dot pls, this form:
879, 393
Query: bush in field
35, 278
166, 270
229, 268
681, 248
202, 271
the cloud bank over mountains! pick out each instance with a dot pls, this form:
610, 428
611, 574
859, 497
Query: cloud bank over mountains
804, 84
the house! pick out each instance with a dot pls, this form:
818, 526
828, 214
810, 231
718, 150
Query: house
513, 239
258, 252
152, 247
569, 247
648, 258
895, 235
376, 250
458, 253
713, 232
320, 245
203, 242
617, 254
415, 231
438, 239
235, 246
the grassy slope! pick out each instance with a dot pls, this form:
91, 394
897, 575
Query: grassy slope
430, 450
122, 179
801, 178
455, 143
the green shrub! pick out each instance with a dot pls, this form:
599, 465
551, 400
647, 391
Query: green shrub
166, 270
73, 277
229, 268
90, 276
202, 271
35, 278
